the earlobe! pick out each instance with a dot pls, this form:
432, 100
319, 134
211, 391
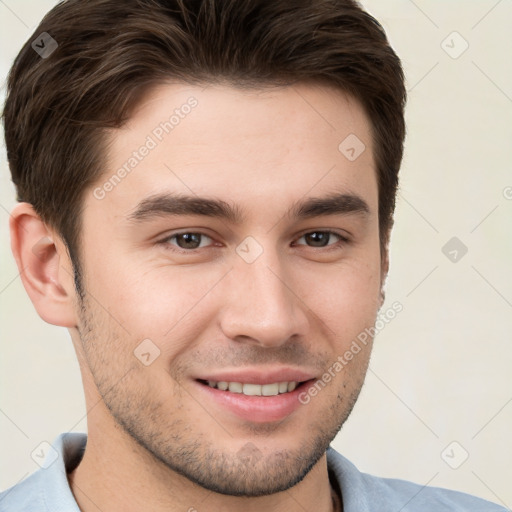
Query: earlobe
44, 266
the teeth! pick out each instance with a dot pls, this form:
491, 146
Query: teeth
270, 389
251, 389
235, 387
273, 389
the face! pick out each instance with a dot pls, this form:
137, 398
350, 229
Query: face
239, 250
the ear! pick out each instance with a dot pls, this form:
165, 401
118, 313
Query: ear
44, 265
384, 268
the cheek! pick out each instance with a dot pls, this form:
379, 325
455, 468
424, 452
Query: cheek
162, 304
345, 299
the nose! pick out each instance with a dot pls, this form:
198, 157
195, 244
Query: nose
262, 303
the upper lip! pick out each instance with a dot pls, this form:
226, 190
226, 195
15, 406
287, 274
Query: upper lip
259, 375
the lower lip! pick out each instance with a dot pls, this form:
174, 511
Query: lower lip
258, 409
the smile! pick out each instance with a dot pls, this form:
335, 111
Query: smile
249, 389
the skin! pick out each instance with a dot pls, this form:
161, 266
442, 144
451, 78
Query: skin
299, 304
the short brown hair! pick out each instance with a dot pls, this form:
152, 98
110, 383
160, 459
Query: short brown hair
110, 52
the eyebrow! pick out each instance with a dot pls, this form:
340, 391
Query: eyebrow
172, 204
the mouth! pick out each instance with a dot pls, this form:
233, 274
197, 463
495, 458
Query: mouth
250, 389
253, 402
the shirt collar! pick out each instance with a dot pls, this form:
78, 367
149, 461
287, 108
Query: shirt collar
70, 447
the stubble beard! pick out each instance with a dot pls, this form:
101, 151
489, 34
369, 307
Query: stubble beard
170, 442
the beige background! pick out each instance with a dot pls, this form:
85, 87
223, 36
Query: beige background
440, 371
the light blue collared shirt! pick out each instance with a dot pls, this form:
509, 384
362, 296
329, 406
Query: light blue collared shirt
47, 490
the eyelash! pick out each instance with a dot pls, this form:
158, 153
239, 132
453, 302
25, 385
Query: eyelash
166, 240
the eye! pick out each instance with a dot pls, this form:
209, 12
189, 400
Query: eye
187, 241
321, 238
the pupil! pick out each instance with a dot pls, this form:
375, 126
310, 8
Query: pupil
190, 238
319, 239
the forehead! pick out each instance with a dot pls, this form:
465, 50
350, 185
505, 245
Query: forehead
268, 146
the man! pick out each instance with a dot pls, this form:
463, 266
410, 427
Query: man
206, 196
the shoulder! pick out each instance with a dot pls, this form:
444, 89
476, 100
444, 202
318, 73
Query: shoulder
24, 496
47, 490
363, 492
